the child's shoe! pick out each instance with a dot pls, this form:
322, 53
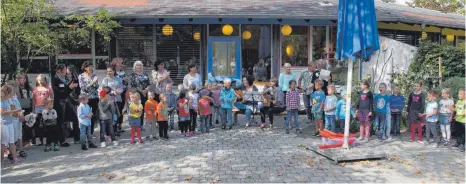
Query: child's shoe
420, 142
287, 131
446, 143
366, 139
435, 145
224, 127
132, 141
196, 132
103, 145
115, 143
140, 141
83, 147
56, 147
359, 138
47, 148
92, 145
23, 154
298, 130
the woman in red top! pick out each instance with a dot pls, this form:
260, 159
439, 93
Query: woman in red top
183, 116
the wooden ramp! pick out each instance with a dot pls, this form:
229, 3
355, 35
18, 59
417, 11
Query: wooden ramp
353, 154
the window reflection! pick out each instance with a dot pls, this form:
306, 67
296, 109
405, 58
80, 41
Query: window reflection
224, 61
318, 47
256, 51
294, 47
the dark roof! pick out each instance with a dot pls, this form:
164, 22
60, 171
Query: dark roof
285, 9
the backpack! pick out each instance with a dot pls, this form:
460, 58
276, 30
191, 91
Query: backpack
203, 104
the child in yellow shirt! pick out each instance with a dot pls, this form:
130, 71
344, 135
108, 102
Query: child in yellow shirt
135, 112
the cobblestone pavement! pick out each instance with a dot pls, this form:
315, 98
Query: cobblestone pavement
233, 156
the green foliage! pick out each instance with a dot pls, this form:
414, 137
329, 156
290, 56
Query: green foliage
445, 6
454, 83
425, 66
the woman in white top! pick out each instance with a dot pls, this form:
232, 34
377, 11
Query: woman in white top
160, 76
192, 78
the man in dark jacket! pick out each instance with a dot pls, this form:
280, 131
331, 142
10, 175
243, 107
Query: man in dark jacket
61, 91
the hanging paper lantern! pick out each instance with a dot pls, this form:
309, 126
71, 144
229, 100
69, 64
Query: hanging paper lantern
450, 38
167, 30
227, 29
246, 35
289, 50
423, 36
286, 30
197, 36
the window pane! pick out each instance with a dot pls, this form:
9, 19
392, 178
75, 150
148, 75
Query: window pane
224, 61
256, 51
216, 30
318, 47
294, 47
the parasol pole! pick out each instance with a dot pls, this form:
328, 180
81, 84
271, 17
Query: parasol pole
348, 103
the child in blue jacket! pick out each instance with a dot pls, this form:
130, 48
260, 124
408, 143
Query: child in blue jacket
397, 104
340, 112
227, 95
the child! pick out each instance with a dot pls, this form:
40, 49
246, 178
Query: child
340, 112
107, 111
40, 93
7, 112
204, 109
431, 117
162, 117
329, 108
193, 99
84, 118
292, 104
416, 101
460, 120
183, 115
17, 123
134, 119
364, 106
446, 115
49, 119
215, 91
227, 95
318, 98
397, 104
150, 108
381, 100
171, 102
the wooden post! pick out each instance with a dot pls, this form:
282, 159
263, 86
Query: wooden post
440, 71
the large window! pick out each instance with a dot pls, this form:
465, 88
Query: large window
294, 47
256, 50
318, 42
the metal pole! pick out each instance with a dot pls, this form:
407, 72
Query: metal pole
93, 47
348, 103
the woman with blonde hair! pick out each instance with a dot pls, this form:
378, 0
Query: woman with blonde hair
285, 78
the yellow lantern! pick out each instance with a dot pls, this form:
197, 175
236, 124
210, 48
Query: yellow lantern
246, 35
423, 36
289, 50
450, 38
197, 36
227, 29
286, 30
167, 30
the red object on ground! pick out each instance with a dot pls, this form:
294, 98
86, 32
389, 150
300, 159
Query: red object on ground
332, 140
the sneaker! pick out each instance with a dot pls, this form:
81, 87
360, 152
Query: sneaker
287, 131
132, 141
389, 138
359, 138
195, 132
92, 145
435, 145
103, 145
83, 147
247, 125
56, 147
316, 133
298, 130
262, 125
149, 138
224, 127
140, 141
230, 127
446, 143
366, 139
271, 127
411, 140
115, 143
65, 144
420, 142
47, 148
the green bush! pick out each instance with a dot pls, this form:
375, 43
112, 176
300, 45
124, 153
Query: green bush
454, 83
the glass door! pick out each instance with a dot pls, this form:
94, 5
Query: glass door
224, 57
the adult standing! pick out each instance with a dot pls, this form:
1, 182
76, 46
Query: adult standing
117, 64
192, 78
285, 78
73, 102
61, 90
160, 76
277, 102
306, 82
115, 83
89, 83
24, 94
140, 82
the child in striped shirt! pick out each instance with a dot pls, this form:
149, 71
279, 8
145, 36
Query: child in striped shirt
292, 105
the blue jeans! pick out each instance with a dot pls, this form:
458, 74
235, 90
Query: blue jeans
292, 113
85, 132
205, 123
330, 122
380, 119
226, 116
388, 124
247, 111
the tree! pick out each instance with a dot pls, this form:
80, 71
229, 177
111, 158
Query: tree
31, 27
445, 6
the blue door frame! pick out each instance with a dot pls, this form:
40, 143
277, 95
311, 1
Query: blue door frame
237, 41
